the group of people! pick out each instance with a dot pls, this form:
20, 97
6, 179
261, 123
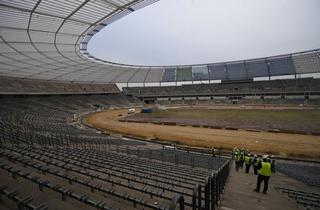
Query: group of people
263, 167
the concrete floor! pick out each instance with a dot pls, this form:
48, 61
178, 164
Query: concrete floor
239, 194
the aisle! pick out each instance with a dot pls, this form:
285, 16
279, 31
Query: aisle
239, 194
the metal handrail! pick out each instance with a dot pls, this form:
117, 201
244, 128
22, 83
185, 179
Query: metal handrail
177, 199
196, 194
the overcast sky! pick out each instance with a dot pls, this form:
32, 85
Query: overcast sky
172, 32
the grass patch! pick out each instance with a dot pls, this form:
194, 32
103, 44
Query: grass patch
238, 114
290, 119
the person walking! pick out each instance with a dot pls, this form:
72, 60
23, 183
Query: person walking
241, 158
255, 164
264, 174
247, 162
213, 151
234, 152
237, 159
273, 164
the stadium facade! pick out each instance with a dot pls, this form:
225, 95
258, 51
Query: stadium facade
49, 82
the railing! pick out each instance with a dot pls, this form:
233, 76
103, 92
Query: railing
218, 182
196, 195
177, 199
204, 197
213, 190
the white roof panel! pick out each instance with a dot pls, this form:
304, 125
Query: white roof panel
60, 8
26, 4
45, 23
42, 37
16, 36
48, 39
13, 18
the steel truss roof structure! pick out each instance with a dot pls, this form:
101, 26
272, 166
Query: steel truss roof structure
47, 40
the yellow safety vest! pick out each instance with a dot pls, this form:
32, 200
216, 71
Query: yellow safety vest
247, 160
236, 153
237, 157
265, 169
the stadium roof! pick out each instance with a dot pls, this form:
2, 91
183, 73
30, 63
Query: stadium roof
47, 40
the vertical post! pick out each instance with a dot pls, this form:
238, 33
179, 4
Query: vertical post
175, 200
268, 68
213, 195
196, 194
246, 69
199, 198
209, 73
108, 145
218, 185
207, 194
226, 70
176, 158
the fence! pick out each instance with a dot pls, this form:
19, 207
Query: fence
213, 190
205, 195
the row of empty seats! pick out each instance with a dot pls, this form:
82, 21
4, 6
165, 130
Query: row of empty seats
13, 85
308, 200
50, 161
306, 85
308, 174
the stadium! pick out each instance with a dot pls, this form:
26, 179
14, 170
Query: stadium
80, 132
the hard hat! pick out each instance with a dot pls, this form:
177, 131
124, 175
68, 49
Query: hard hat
265, 157
255, 155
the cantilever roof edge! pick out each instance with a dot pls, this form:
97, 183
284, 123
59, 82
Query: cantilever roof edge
47, 40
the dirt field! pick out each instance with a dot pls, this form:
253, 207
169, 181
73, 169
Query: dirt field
291, 145
307, 120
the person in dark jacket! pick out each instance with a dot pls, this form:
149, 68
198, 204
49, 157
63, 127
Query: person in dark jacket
273, 164
255, 163
237, 159
241, 158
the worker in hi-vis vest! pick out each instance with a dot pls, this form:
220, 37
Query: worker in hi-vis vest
234, 151
241, 158
237, 159
255, 164
264, 174
247, 162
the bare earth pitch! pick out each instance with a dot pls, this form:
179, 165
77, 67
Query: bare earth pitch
307, 120
291, 145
